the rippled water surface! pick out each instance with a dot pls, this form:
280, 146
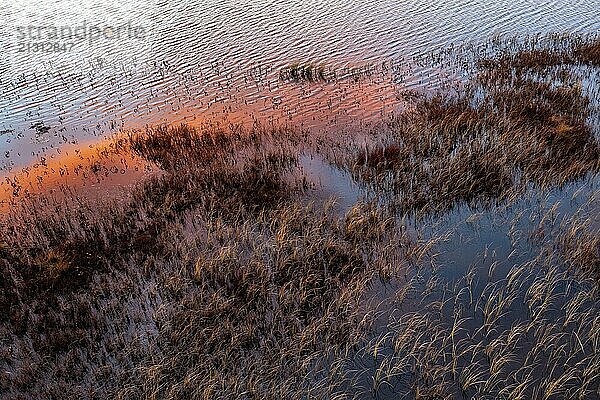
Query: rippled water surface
194, 61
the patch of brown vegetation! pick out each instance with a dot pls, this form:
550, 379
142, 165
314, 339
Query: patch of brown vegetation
522, 119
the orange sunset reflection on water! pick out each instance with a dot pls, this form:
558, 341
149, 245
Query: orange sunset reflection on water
96, 170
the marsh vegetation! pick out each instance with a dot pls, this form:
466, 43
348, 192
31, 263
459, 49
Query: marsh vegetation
222, 276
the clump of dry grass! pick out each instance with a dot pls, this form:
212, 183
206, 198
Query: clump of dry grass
520, 337
550, 51
298, 72
219, 169
576, 240
582, 251
522, 118
321, 73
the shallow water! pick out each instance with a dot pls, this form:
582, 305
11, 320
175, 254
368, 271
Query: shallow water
200, 61
139, 63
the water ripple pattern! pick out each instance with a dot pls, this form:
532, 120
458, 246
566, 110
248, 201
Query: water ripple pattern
220, 59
